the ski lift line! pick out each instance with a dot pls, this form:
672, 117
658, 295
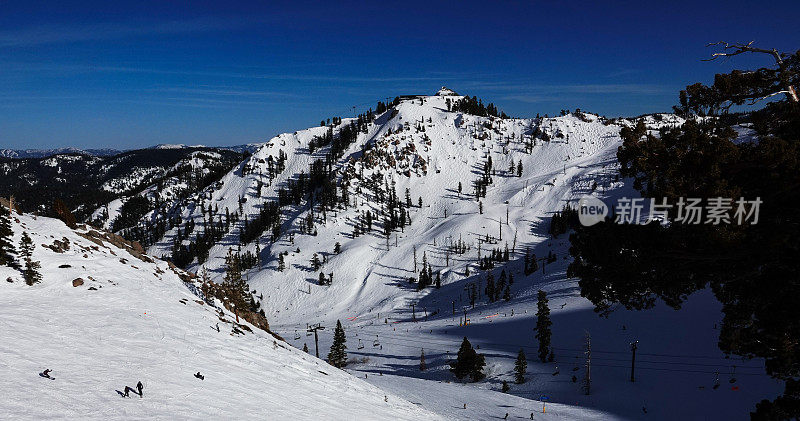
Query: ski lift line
455, 345
574, 349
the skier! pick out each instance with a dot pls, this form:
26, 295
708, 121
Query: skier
139, 387
200, 376
506, 417
46, 374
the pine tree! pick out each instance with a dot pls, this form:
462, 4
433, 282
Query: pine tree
422, 365
239, 291
507, 294
505, 387
468, 363
490, 286
305, 348
438, 280
315, 263
337, 248
7, 250
337, 357
281, 263
520, 367
31, 270
543, 324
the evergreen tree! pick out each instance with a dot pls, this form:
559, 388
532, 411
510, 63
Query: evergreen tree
315, 262
305, 348
281, 263
507, 294
490, 286
505, 387
468, 363
422, 365
438, 280
31, 270
520, 367
337, 357
238, 290
543, 324
7, 250
337, 248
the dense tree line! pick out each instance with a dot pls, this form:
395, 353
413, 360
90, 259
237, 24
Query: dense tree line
475, 106
752, 268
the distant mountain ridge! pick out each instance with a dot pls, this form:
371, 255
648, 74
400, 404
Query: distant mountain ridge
103, 152
41, 153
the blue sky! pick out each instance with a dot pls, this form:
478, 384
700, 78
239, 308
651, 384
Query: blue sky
129, 74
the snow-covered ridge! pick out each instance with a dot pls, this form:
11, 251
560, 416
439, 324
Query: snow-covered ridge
105, 317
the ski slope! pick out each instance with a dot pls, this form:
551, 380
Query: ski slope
136, 320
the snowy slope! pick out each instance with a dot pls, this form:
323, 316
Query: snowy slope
136, 320
421, 146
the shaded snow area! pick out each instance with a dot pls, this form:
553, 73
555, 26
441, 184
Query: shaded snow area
133, 320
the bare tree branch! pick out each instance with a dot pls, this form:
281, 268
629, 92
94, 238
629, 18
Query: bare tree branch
755, 100
789, 90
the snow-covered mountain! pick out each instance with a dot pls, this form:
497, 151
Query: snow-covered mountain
364, 203
422, 145
105, 316
86, 182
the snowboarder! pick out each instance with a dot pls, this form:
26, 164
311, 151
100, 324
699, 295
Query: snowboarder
200, 376
46, 374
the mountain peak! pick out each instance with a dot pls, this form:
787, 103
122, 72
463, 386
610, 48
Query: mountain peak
444, 91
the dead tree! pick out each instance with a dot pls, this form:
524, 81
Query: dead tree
784, 72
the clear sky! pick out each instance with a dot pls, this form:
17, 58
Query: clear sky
128, 74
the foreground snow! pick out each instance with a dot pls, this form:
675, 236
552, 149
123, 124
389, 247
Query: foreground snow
134, 320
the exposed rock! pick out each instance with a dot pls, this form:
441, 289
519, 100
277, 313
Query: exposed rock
77, 282
58, 246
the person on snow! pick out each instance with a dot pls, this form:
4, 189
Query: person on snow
46, 374
200, 376
138, 390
